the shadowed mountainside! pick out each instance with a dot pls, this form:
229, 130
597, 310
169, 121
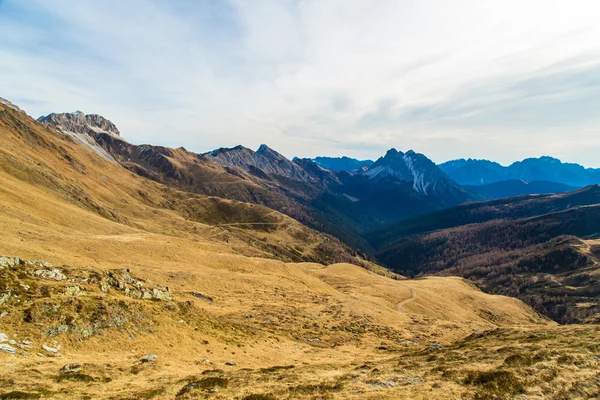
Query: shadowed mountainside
477, 212
512, 188
540, 259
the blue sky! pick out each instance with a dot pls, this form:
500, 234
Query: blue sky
502, 80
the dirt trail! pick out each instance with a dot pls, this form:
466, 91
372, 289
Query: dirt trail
412, 298
253, 223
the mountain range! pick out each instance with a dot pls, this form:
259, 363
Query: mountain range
479, 172
140, 271
344, 204
492, 180
384, 210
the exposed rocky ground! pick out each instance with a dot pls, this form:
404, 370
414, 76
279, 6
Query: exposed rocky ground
55, 301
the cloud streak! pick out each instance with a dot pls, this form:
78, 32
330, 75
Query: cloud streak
468, 78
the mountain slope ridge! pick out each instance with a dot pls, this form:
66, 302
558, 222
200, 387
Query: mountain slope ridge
341, 204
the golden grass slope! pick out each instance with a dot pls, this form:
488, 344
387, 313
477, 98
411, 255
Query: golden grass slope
325, 321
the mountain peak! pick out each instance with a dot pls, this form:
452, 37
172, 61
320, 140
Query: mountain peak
415, 168
392, 153
265, 159
78, 122
262, 148
266, 151
84, 129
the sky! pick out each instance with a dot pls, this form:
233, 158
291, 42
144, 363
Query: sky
501, 80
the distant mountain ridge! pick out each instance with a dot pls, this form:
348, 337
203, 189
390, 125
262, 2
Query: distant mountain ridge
344, 163
550, 169
517, 187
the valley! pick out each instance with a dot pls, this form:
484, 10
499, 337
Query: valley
547, 260
145, 272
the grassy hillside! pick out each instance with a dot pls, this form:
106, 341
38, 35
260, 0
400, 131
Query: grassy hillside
51, 179
256, 327
128, 267
191, 172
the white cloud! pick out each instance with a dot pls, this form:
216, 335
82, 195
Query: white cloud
467, 78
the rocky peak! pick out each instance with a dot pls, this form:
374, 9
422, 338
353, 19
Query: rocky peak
265, 159
413, 167
393, 165
268, 152
391, 153
84, 129
78, 122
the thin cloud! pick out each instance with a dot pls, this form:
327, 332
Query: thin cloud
467, 78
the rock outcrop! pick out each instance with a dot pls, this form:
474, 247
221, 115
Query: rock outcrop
264, 159
84, 129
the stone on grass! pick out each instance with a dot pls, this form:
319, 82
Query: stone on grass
50, 349
71, 368
6, 348
149, 358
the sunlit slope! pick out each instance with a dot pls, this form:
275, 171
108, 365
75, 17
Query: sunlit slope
53, 186
294, 330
